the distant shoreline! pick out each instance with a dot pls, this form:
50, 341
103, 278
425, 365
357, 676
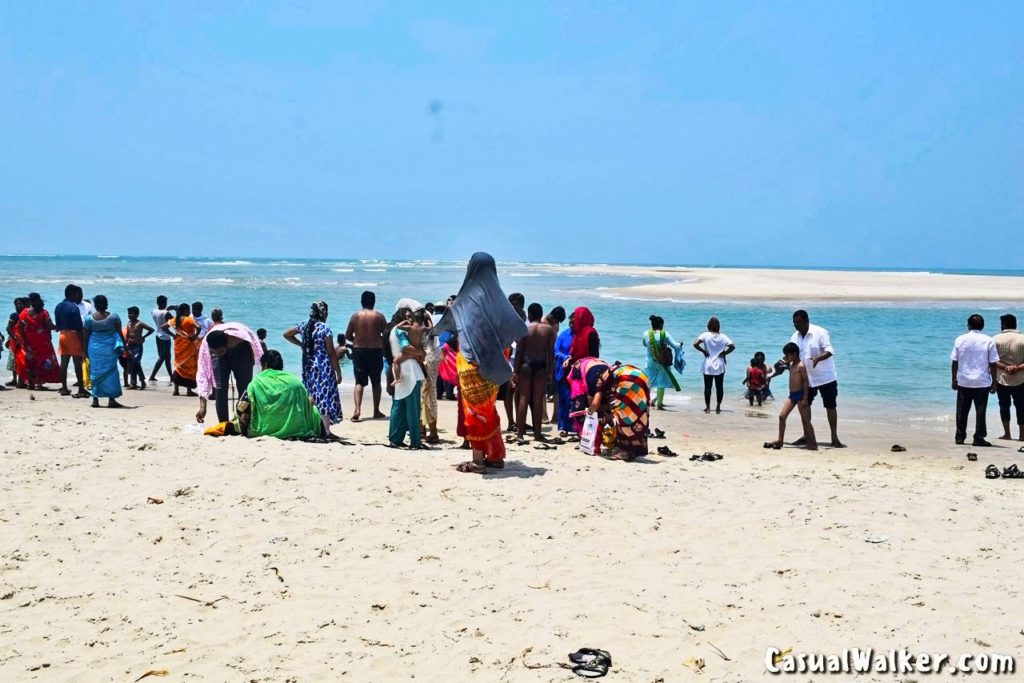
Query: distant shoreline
773, 284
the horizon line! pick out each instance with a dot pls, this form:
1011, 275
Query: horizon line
926, 269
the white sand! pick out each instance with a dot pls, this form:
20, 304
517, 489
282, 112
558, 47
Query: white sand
744, 284
390, 565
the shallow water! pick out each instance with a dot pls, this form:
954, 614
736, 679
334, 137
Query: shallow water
892, 359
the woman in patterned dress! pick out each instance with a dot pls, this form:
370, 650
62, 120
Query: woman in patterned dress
620, 395
321, 372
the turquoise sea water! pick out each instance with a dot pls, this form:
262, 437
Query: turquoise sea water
892, 359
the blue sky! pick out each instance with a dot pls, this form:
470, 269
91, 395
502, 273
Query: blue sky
817, 134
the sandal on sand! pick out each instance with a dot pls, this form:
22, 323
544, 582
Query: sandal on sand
773, 445
711, 457
556, 441
590, 663
1021, 449
991, 472
973, 457
896, 448
658, 434
667, 452
1012, 472
544, 447
471, 467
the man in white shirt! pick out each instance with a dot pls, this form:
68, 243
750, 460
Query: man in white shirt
203, 322
816, 354
975, 358
163, 339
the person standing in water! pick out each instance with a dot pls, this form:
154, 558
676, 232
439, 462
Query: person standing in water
715, 346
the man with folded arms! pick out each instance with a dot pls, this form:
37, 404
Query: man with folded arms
1010, 376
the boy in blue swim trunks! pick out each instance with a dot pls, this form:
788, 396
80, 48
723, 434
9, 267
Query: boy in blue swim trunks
799, 397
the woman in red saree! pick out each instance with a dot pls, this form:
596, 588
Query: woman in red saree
41, 366
486, 325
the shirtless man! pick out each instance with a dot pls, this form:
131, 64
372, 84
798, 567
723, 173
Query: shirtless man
366, 334
534, 368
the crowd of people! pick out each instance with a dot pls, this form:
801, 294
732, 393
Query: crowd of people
478, 347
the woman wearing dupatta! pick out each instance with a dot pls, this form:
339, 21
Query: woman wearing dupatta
35, 325
661, 377
186, 349
486, 325
103, 342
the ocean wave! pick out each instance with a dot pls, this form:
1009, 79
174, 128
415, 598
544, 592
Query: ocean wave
342, 270
374, 270
218, 281
514, 274
226, 263
362, 284
108, 257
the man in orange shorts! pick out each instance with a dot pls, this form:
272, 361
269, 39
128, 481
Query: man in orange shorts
67, 317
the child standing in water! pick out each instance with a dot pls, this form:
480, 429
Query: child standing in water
799, 397
755, 382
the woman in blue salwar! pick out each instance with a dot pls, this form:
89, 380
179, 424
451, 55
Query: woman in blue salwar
104, 344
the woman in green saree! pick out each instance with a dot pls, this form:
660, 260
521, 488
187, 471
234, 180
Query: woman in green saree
277, 404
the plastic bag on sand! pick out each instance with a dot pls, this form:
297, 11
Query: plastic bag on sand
590, 436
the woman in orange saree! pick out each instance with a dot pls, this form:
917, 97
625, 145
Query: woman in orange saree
486, 325
186, 349
480, 413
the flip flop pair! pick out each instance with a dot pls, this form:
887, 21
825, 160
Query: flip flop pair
707, 456
590, 663
772, 445
667, 452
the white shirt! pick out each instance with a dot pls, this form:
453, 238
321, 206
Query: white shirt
973, 353
204, 322
411, 371
815, 343
159, 318
715, 343
86, 309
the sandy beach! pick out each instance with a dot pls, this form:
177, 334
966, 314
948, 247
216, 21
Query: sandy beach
129, 545
745, 284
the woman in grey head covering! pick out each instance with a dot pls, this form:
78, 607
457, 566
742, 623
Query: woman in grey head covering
486, 325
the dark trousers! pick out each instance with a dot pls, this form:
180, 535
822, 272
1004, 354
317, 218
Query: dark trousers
238, 362
965, 397
719, 388
1008, 395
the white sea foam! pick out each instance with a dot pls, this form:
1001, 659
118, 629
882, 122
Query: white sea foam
362, 284
374, 270
342, 270
226, 263
515, 274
